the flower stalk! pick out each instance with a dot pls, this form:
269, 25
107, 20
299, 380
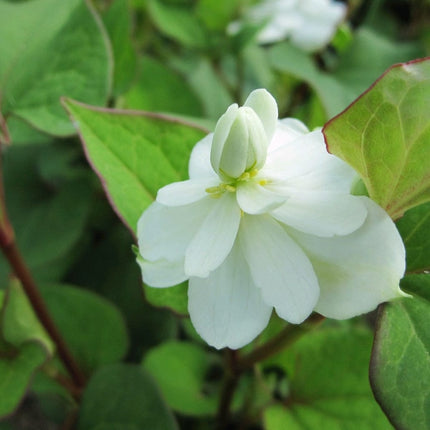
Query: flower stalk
282, 340
236, 365
10, 250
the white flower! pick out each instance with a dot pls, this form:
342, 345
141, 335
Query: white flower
282, 231
309, 24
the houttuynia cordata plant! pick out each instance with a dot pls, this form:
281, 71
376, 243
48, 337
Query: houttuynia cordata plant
214, 215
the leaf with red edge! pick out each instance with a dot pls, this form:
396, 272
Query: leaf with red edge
133, 153
385, 136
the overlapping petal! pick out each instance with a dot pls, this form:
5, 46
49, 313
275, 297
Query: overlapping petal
320, 20
215, 237
322, 213
185, 192
254, 198
165, 232
264, 105
162, 273
304, 164
226, 308
358, 271
279, 267
286, 234
220, 135
199, 165
310, 24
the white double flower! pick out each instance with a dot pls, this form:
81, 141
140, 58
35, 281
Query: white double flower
309, 24
266, 221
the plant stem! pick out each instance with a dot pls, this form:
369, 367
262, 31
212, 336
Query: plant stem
4, 131
10, 250
231, 380
236, 365
283, 339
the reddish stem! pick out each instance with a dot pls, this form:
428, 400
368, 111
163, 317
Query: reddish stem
10, 250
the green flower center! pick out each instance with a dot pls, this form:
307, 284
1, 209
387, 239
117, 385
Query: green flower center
231, 186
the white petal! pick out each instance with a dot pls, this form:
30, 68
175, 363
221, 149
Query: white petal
199, 165
320, 19
264, 105
162, 273
185, 192
287, 130
226, 308
279, 267
324, 214
222, 130
305, 163
165, 232
314, 36
256, 199
358, 271
215, 237
235, 146
294, 124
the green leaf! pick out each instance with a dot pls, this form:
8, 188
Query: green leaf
22, 133
16, 370
92, 327
32, 79
24, 347
181, 369
49, 198
19, 323
334, 96
400, 366
174, 298
385, 137
108, 263
178, 23
134, 154
123, 396
160, 89
117, 20
328, 384
414, 228
213, 95
215, 14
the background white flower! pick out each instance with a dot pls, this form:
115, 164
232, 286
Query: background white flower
309, 24
281, 231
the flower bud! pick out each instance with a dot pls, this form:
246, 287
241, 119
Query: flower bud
242, 136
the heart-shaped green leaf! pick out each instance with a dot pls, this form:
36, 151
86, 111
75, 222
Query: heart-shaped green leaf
53, 49
92, 327
180, 368
122, 396
385, 136
328, 385
400, 365
135, 154
414, 228
16, 370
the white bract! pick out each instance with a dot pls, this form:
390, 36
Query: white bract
309, 24
266, 221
